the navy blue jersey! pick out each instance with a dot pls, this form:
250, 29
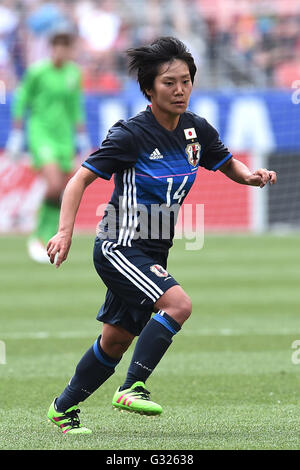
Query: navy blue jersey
154, 169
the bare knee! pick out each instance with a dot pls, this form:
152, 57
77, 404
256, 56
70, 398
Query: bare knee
54, 191
115, 340
176, 303
182, 310
115, 348
55, 181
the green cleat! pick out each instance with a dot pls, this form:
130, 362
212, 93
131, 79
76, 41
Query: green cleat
136, 399
68, 421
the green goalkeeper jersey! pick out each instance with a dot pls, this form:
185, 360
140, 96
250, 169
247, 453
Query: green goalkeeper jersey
52, 99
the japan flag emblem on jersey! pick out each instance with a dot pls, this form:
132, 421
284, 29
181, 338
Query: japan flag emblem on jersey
190, 133
193, 153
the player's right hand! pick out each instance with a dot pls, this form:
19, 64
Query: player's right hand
58, 248
15, 145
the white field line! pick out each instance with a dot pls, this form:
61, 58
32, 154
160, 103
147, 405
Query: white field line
192, 332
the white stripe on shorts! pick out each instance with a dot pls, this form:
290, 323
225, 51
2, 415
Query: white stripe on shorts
138, 271
131, 272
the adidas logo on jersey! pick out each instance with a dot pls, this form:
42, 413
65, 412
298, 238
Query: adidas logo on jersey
156, 155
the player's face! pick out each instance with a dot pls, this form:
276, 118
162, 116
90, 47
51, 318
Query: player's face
61, 53
172, 88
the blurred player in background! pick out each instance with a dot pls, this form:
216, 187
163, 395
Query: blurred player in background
50, 93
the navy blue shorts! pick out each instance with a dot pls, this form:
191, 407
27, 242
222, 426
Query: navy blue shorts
135, 280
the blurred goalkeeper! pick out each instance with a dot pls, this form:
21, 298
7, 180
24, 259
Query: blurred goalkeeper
50, 93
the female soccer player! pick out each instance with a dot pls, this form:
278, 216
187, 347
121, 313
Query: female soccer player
51, 93
154, 157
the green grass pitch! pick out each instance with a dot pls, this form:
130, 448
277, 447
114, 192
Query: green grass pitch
227, 381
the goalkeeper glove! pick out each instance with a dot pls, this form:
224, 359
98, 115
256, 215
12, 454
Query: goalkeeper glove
15, 145
83, 144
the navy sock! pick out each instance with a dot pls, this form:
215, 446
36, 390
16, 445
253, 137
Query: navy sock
151, 345
93, 369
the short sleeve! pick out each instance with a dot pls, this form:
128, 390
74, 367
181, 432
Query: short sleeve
214, 153
116, 153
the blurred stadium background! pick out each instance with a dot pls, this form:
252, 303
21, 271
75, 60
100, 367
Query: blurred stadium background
248, 58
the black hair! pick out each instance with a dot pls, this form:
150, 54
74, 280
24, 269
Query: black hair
146, 60
64, 39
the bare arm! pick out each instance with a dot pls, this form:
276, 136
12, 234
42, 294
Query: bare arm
73, 193
240, 173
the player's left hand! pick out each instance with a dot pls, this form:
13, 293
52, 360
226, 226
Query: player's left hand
262, 176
